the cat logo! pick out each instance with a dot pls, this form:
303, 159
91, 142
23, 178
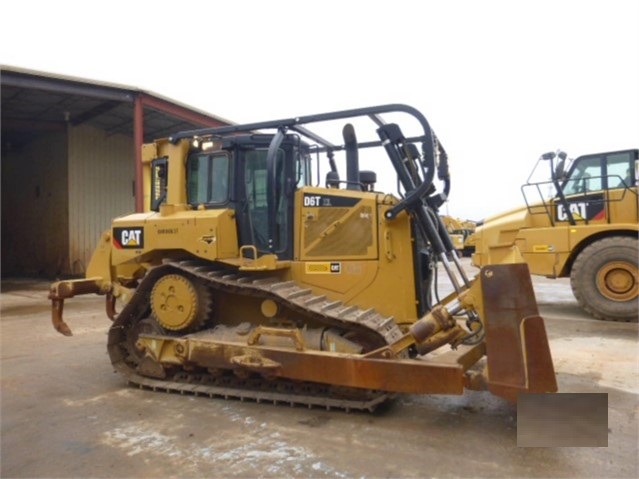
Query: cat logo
128, 238
323, 268
584, 208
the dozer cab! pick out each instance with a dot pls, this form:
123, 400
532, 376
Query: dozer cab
582, 224
247, 278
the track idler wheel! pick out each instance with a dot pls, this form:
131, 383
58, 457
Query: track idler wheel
178, 304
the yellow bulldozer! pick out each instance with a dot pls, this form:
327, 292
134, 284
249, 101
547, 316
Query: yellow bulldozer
582, 224
246, 278
461, 231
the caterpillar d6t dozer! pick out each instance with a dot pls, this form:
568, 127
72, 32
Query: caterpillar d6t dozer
247, 278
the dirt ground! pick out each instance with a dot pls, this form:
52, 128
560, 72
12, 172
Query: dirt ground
65, 413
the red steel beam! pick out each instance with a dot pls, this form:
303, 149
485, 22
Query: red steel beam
180, 111
138, 139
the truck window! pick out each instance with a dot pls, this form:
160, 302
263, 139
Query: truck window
599, 172
620, 169
586, 175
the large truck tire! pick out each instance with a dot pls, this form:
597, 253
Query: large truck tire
604, 279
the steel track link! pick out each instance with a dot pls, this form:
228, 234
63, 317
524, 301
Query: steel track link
277, 391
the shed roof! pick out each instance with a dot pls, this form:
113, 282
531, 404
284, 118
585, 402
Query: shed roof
34, 101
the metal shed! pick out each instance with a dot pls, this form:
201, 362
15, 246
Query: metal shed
70, 163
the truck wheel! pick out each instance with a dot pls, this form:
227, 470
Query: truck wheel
604, 279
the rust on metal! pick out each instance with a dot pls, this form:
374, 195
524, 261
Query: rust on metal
392, 375
57, 306
110, 306
70, 288
541, 371
61, 290
518, 355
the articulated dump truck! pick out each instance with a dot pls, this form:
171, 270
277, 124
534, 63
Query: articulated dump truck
246, 277
582, 224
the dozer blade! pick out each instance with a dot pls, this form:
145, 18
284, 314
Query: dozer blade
517, 351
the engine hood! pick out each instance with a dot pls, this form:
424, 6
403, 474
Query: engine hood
495, 238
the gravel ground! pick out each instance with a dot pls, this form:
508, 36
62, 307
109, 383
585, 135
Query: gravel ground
65, 413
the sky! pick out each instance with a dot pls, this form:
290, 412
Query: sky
500, 82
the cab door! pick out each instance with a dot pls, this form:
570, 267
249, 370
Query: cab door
269, 233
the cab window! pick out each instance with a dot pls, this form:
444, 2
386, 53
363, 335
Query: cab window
600, 172
159, 181
208, 178
585, 176
256, 192
303, 170
620, 169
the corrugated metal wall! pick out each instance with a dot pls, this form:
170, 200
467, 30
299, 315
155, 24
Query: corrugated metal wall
101, 187
34, 207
